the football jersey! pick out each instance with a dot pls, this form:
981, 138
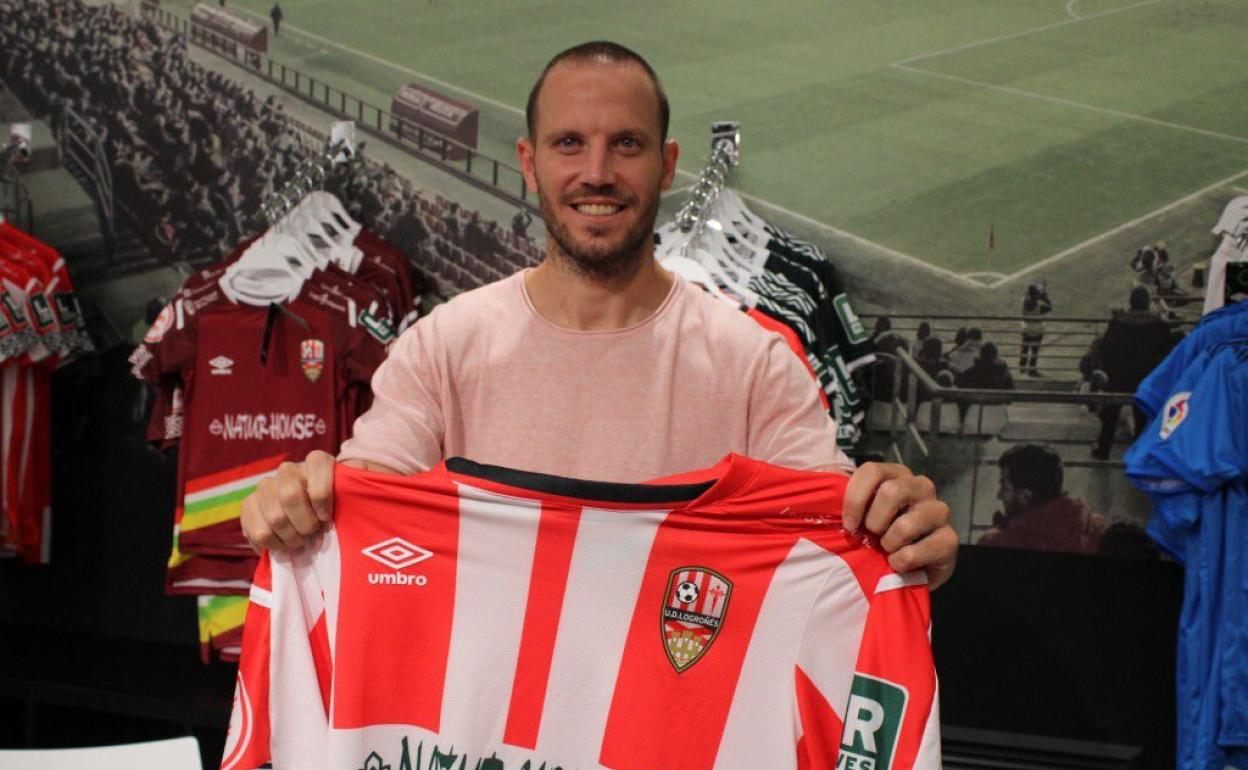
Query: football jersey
261, 387
482, 617
1193, 462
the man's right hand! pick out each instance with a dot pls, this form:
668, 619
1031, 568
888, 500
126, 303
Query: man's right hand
295, 503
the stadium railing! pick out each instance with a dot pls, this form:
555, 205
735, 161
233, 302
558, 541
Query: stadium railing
913, 435
82, 150
15, 201
476, 168
1066, 340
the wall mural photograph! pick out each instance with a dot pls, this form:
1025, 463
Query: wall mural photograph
1006, 244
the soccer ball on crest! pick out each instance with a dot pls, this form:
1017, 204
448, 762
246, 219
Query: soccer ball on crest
687, 592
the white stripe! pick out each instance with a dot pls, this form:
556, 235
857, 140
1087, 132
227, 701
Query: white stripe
497, 537
262, 596
229, 486
759, 729
928, 757
608, 562
208, 583
328, 564
833, 636
901, 580
8, 377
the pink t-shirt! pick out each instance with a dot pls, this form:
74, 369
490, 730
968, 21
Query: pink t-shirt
485, 377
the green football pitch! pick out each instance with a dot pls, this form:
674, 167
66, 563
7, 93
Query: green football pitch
913, 126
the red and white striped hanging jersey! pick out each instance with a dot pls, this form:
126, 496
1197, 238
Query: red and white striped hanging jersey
480, 617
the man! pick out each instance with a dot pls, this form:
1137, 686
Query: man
1036, 305
1135, 342
598, 363
1037, 514
275, 13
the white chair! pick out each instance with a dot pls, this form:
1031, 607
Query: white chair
172, 754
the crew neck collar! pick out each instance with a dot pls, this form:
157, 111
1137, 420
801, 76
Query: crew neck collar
531, 309
697, 489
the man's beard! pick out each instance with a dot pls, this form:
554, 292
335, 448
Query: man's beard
607, 261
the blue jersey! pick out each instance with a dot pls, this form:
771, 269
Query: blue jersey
1193, 462
1223, 324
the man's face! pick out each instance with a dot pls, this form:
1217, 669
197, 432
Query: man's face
1014, 500
598, 164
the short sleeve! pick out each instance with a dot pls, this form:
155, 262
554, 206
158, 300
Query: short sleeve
404, 428
1202, 441
788, 424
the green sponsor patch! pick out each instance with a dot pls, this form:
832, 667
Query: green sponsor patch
854, 330
381, 329
872, 724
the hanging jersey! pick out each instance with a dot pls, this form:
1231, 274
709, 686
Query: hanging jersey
1193, 462
261, 386
479, 617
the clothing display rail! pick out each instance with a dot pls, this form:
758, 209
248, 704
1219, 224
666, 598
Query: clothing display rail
310, 177
725, 155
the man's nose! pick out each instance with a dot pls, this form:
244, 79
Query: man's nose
598, 169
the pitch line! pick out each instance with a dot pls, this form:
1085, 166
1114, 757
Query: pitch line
880, 248
1070, 9
1237, 188
1025, 32
1124, 226
1078, 105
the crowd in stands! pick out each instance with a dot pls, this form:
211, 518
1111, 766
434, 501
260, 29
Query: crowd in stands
970, 363
195, 155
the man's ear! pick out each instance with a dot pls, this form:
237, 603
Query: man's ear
525, 151
671, 152
1026, 499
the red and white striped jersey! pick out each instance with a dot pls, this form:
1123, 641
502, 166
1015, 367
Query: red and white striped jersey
480, 617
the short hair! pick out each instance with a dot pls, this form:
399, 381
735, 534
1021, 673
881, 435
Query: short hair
1035, 467
988, 352
925, 330
883, 324
975, 333
603, 51
1139, 299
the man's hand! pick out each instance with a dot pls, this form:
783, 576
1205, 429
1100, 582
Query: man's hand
295, 503
903, 509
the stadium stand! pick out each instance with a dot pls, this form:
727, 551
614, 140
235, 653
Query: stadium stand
166, 119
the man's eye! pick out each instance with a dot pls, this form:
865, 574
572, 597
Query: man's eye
629, 143
567, 141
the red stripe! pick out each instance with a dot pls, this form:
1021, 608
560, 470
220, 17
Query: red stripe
703, 593
821, 727
407, 626
657, 712
210, 480
899, 620
552, 558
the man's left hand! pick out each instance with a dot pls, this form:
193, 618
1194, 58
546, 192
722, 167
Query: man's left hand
913, 524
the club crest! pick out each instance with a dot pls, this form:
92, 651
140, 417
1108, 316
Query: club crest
693, 612
312, 356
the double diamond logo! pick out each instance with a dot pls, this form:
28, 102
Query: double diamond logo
222, 365
397, 553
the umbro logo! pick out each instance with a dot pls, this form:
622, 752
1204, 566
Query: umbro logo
397, 553
222, 365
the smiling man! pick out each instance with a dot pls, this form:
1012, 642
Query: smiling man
599, 364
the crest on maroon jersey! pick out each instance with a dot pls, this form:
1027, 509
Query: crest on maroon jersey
693, 612
312, 356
